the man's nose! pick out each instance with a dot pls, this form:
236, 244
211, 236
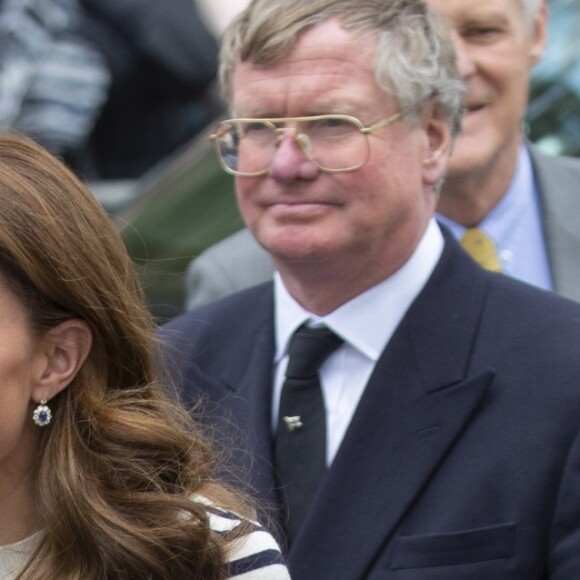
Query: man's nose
290, 162
465, 62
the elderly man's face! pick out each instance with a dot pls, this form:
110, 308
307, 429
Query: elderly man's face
373, 215
495, 48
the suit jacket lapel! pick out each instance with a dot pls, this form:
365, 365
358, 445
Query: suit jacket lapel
254, 411
238, 385
559, 185
418, 400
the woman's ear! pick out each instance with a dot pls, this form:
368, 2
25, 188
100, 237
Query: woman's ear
65, 348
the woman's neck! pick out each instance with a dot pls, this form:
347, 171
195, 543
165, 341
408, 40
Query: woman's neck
18, 512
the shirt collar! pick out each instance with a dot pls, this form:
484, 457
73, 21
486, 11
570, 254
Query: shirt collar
520, 196
356, 320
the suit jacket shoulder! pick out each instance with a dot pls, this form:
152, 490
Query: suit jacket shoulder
222, 327
221, 357
559, 185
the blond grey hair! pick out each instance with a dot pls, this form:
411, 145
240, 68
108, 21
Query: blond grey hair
414, 58
531, 8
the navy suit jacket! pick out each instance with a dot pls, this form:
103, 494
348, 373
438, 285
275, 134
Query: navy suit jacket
462, 460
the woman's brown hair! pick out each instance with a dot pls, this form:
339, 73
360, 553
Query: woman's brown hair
119, 464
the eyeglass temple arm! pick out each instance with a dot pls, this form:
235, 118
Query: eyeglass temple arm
381, 124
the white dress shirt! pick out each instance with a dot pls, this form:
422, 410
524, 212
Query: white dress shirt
366, 324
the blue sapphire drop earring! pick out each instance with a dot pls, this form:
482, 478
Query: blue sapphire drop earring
42, 414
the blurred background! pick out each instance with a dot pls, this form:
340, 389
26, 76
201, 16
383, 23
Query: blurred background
125, 92
554, 109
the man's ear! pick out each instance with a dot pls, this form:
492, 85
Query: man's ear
539, 34
65, 349
437, 147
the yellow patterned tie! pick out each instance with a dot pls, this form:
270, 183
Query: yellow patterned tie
482, 249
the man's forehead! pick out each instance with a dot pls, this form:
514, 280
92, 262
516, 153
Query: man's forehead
478, 10
323, 60
328, 38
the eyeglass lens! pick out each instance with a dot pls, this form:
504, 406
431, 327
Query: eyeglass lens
333, 143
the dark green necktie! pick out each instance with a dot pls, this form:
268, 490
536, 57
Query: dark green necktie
300, 447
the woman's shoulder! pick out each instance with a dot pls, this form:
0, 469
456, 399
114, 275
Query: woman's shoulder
254, 555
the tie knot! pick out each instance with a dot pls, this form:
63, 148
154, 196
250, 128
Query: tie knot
481, 248
309, 347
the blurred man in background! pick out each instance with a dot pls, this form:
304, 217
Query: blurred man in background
111, 87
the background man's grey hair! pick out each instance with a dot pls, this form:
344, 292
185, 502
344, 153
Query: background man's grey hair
531, 8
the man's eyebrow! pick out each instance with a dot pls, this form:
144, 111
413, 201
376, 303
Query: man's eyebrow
485, 16
315, 110
253, 114
333, 109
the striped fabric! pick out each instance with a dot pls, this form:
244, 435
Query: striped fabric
53, 83
254, 556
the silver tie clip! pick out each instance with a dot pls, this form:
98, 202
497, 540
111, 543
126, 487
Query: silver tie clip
292, 423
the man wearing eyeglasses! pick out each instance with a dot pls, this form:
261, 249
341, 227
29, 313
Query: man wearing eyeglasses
412, 415
526, 203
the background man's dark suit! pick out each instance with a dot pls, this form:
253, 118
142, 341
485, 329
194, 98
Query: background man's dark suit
461, 461
238, 261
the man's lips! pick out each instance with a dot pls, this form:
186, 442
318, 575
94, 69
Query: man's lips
296, 201
299, 207
471, 116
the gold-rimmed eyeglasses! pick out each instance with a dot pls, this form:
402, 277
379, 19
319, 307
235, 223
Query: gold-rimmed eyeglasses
335, 143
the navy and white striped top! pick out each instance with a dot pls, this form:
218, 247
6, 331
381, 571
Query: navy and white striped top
254, 556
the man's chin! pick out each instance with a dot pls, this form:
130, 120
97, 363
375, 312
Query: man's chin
298, 252
472, 153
